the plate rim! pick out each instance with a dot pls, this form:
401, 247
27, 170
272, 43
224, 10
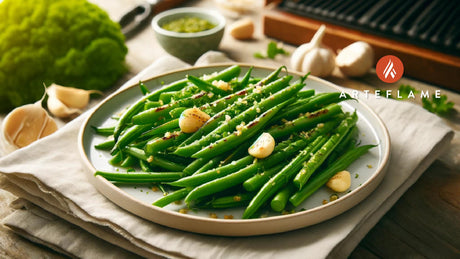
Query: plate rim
343, 204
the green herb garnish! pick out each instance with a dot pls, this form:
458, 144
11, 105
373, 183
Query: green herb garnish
439, 105
272, 51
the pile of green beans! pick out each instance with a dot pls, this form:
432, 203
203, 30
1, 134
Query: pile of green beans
211, 168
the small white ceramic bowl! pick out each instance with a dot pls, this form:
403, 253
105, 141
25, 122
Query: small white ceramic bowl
189, 46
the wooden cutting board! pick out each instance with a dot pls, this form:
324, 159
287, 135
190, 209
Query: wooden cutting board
423, 64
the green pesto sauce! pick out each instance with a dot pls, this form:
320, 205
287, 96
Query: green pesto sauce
188, 25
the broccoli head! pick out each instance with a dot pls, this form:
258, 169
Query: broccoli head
67, 42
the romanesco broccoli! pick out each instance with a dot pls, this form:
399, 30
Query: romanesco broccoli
68, 42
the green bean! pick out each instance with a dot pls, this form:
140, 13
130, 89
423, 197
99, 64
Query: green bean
139, 105
257, 181
211, 164
271, 77
197, 179
282, 152
224, 102
172, 125
244, 82
194, 166
161, 144
145, 167
140, 177
347, 143
130, 135
225, 75
175, 113
306, 93
126, 117
318, 158
171, 197
237, 108
321, 178
129, 161
156, 160
201, 165
280, 200
143, 88
220, 184
205, 86
104, 131
150, 104
174, 86
232, 201
106, 145
229, 142
271, 161
154, 114
305, 122
117, 158
247, 115
281, 178
166, 97
312, 104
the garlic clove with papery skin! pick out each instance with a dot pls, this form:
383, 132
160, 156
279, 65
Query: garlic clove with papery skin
314, 57
66, 101
26, 124
356, 59
319, 62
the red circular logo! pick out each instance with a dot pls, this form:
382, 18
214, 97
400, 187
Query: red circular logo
389, 69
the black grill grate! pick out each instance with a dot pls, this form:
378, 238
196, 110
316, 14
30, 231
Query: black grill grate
433, 24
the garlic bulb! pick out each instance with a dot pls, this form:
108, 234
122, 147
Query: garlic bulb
26, 124
313, 57
65, 101
356, 59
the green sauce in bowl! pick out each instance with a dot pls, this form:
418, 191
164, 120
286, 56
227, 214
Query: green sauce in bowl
188, 25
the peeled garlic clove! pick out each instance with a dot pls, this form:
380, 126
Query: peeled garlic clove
242, 29
356, 59
340, 182
263, 146
72, 97
65, 101
27, 124
58, 108
192, 119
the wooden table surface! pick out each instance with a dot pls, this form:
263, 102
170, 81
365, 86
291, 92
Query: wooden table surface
425, 222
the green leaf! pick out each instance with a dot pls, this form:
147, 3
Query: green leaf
272, 51
259, 55
439, 105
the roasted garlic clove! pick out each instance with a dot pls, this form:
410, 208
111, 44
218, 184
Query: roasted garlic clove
340, 182
263, 146
192, 119
26, 124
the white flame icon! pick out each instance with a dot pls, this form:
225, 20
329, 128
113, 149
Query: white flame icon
389, 70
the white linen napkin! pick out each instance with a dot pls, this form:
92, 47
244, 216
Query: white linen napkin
50, 174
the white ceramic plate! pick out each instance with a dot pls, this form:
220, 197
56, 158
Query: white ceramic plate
367, 172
